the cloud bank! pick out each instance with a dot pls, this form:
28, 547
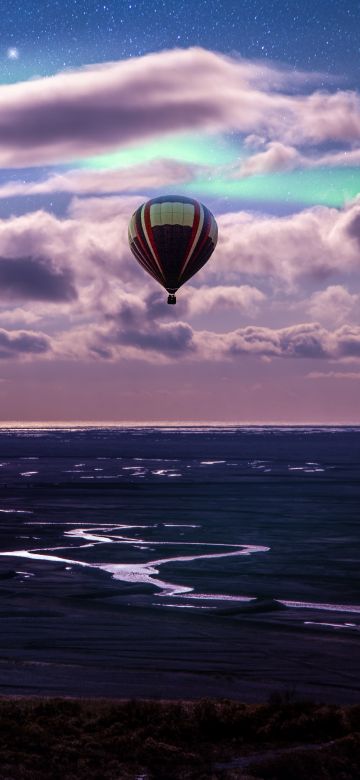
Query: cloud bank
315, 244
77, 278
91, 244
81, 113
153, 175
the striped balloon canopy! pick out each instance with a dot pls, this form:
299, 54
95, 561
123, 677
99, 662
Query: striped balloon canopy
172, 237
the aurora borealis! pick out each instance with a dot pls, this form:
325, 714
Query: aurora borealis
250, 107
328, 186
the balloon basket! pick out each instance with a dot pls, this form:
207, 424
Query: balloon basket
172, 299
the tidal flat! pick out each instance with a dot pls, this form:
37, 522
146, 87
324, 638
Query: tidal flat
180, 563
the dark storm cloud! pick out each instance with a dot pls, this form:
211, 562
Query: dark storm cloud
22, 343
30, 278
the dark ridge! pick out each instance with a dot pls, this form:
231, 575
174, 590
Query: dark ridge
284, 739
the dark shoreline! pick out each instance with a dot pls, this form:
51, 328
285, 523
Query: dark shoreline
74, 739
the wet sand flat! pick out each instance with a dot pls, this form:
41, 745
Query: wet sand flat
179, 565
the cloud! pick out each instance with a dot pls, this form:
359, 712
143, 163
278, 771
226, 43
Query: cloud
157, 174
151, 342
143, 339
131, 324
276, 157
22, 343
313, 244
193, 301
105, 208
170, 339
348, 341
83, 260
118, 311
137, 328
334, 375
307, 340
244, 299
334, 305
137, 321
18, 316
80, 113
303, 341
67, 252
32, 278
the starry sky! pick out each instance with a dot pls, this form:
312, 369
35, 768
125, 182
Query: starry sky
253, 108
61, 34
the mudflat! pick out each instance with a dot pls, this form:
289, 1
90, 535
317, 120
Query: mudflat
180, 563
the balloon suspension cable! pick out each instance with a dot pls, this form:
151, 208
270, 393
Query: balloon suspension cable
171, 299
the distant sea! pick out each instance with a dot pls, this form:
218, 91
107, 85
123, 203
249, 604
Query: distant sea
178, 562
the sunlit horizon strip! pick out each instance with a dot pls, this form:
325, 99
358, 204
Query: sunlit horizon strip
80, 424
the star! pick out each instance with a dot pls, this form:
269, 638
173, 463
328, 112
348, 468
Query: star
13, 53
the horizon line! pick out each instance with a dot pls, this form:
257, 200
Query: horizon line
172, 423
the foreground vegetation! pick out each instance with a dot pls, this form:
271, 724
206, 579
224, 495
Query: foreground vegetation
74, 739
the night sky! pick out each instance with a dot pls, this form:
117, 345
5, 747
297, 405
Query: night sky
250, 107
51, 36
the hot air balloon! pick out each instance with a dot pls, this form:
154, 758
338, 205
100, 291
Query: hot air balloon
172, 237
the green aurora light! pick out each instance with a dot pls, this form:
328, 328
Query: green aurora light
194, 149
322, 186
220, 154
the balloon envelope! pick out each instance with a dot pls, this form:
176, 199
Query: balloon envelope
172, 237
